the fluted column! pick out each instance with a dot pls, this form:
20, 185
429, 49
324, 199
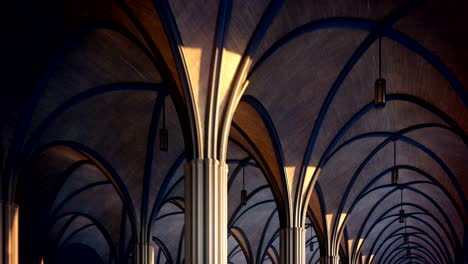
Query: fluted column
143, 254
292, 245
9, 221
329, 260
37, 260
206, 203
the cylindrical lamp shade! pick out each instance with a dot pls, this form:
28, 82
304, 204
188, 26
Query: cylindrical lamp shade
243, 197
402, 216
394, 176
380, 92
163, 140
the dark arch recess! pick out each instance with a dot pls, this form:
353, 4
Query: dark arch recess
331, 150
106, 169
112, 248
392, 136
413, 246
69, 43
75, 253
398, 237
445, 251
453, 238
395, 233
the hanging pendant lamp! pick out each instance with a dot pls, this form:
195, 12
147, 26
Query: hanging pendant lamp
380, 83
163, 132
244, 197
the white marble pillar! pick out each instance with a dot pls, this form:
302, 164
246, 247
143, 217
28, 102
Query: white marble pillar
293, 245
206, 201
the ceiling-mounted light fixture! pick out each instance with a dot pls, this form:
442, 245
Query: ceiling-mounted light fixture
380, 83
163, 132
394, 169
244, 197
402, 212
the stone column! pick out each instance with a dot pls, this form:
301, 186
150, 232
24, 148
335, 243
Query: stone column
329, 260
9, 222
143, 254
37, 260
293, 245
206, 201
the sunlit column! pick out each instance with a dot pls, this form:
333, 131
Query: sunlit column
143, 254
9, 221
206, 222
293, 245
329, 260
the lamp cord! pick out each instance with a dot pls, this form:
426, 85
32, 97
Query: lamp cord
380, 57
243, 177
164, 113
401, 197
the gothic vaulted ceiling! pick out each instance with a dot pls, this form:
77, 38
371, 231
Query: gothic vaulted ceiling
81, 148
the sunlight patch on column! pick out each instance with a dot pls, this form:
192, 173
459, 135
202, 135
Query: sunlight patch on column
342, 219
350, 243
229, 66
329, 219
308, 176
361, 240
193, 60
290, 170
363, 258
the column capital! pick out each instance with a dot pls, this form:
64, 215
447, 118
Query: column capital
329, 259
293, 228
205, 161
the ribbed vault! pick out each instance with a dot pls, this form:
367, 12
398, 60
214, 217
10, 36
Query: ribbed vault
283, 92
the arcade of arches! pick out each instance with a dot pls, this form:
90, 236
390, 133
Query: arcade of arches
234, 131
